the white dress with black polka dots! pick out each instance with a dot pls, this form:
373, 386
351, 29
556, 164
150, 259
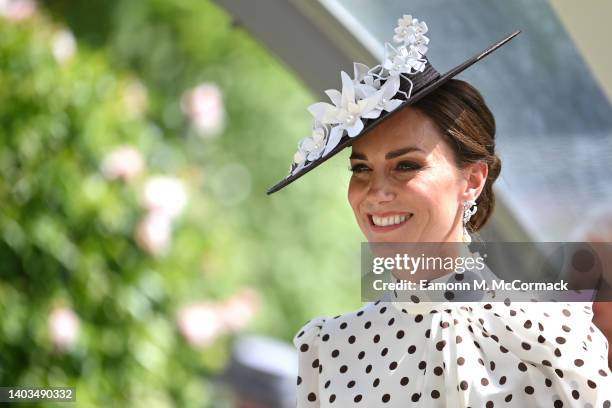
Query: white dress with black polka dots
452, 354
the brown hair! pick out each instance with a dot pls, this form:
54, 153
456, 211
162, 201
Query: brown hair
464, 119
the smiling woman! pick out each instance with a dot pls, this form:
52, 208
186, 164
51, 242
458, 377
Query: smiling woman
416, 176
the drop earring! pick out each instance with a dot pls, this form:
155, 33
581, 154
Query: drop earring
468, 211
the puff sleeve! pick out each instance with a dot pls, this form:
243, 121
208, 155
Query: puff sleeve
307, 341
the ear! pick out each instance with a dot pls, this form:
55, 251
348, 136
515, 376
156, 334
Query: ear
475, 177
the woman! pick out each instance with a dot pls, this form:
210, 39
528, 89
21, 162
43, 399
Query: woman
415, 177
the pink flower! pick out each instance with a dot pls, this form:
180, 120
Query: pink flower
63, 46
239, 309
153, 233
200, 323
165, 194
125, 163
17, 10
204, 107
63, 327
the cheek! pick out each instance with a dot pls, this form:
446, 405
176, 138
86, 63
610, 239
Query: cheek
433, 194
355, 196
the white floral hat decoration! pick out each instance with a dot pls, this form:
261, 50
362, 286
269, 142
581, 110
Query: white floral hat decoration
372, 95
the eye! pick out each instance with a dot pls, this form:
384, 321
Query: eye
407, 166
358, 168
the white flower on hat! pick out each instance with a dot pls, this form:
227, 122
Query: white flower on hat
364, 82
347, 113
389, 89
411, 32
310, 147
402, 61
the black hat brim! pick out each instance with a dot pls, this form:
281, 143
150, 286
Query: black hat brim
427, 89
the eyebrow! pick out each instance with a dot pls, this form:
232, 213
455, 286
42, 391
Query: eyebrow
391, 155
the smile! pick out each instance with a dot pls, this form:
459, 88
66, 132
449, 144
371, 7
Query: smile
388, 221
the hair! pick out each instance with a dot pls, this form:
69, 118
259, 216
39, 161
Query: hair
466, 122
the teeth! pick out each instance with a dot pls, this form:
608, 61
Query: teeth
385, 221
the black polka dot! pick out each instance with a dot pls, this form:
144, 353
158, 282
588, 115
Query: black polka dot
435, 394
463, 385
508, 398
529, 390
411, 349
386, 398
415, 397
357, 398
404, 381
399, 334
304, 348
299, 380
440, 345
312, 397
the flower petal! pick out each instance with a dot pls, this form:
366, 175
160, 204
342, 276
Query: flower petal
320, 110
334, 138
360, 70
392, 104
335, 96
373, 114
348, 92
355, 129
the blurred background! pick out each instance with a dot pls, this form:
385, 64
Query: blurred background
140, 258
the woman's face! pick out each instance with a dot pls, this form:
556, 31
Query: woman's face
405, 185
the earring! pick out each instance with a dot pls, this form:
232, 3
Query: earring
468, 211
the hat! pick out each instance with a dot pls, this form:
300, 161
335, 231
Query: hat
372, 95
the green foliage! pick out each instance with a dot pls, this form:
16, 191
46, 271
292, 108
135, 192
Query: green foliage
67, 233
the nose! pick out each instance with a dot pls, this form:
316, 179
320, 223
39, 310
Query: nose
381, 189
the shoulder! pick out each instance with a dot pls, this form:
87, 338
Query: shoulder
323, 327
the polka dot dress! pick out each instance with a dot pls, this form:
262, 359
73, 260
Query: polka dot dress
455, 354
